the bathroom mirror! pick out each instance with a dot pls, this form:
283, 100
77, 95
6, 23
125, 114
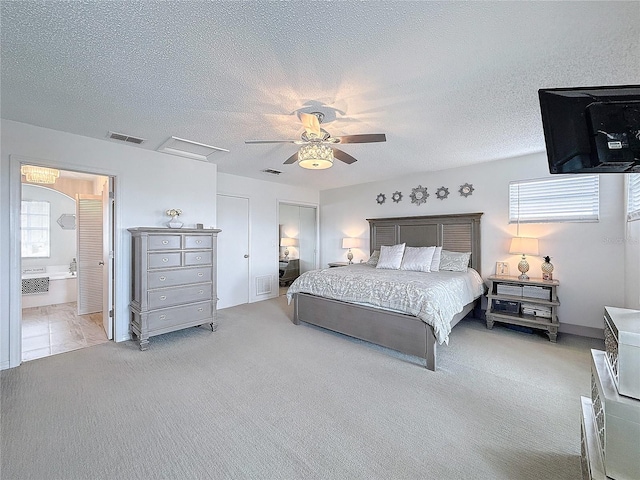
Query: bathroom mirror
67, 221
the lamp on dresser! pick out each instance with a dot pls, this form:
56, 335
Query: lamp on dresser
287, 242
350, 243
523, 246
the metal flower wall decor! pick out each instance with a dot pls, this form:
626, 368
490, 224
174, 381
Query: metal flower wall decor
466, 190
442, 193
381, 198
419, 195
396, 197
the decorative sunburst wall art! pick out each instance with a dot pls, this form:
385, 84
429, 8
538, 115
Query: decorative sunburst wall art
396, 197
442, 193
419, 195
381, 198
466, 190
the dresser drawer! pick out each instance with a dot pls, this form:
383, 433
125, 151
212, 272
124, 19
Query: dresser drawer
161, 260
198, 258
171, 317
183, 276
163, 242
176, 296
198, 241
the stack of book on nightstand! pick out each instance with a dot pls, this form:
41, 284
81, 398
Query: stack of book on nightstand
611, 417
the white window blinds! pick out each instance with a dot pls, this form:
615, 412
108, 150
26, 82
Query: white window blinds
573, 198
34, 226
633, 197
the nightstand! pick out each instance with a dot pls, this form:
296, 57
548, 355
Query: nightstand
338, 264
529, 303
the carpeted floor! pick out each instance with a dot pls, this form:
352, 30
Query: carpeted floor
262, 398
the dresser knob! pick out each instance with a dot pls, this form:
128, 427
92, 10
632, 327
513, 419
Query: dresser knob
201, 292
198, 242
200, 274
200, 309
198, 257
162, 317
163, 297
162, 279
164, 242
165, 259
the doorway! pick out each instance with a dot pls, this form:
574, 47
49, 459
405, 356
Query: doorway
66, 260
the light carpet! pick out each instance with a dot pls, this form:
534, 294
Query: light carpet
262, 398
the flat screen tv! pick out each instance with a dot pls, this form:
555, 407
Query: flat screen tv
592, 129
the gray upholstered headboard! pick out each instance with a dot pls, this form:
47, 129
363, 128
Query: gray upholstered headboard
457, 233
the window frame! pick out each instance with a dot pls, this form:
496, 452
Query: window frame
541, 200
28, 228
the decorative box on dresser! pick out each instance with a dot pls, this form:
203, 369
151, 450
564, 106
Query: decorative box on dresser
173, 280
610, 430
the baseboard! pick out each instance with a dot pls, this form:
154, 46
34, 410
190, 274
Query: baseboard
581, 330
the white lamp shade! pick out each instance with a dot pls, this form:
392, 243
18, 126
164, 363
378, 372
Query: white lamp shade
288, 242
349, 242
524, 246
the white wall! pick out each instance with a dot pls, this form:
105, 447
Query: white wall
147, 183
263, 220
589, 261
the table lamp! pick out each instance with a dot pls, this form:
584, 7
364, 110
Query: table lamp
349, 243
523, 246
287, 242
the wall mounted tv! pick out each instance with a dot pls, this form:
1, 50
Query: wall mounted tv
592, 129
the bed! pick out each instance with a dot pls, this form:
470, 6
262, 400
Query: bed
406, 333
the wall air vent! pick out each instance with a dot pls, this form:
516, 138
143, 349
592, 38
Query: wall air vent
189, 149
271, 171
125, 138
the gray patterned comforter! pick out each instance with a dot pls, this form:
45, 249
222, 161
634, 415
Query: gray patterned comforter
433, 297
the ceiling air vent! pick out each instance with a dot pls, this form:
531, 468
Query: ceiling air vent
189, 149
125, 138
271, 171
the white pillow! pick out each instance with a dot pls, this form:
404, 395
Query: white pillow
435, 263
391, 257
417, 259
454, 261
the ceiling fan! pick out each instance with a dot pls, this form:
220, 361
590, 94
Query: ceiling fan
316, 151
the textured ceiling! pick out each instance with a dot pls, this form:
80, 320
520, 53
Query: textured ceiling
450, 83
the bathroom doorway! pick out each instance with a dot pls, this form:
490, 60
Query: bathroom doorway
66, 237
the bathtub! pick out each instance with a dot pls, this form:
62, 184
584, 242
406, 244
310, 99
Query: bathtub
63, 287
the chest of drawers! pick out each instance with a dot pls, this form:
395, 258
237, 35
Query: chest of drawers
173, 280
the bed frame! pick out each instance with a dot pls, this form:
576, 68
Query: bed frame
404, 333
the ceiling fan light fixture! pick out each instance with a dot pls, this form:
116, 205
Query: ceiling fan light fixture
315, 156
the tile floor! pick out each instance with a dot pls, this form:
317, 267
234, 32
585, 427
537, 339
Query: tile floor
56, 329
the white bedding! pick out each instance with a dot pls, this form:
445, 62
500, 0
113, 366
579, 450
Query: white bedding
434, 297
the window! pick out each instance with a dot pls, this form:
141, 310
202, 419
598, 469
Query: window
633, 197
34, 223
574, 198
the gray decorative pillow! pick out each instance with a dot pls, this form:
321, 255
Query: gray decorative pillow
454, 261
391, 257
373, 259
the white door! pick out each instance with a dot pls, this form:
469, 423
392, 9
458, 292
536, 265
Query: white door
107, 258
233, 250
90, 254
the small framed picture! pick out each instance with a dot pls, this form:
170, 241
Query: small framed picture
502, 269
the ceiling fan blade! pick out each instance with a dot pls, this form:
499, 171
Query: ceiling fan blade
343, 156
270, 141
365, 138
311, 124
292, 159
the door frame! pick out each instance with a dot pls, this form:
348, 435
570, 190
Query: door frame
294, 203
15, 260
